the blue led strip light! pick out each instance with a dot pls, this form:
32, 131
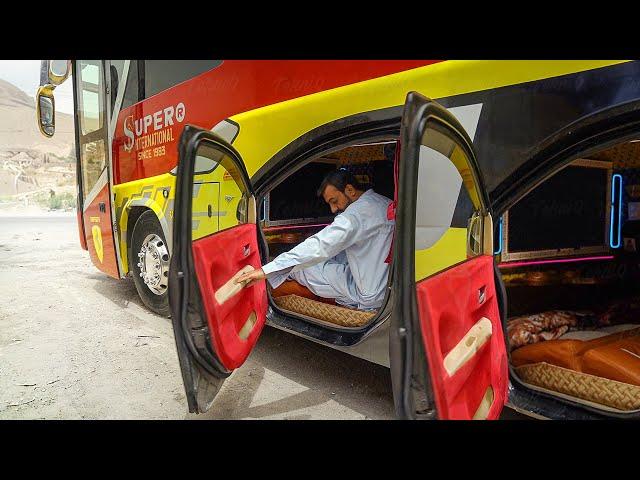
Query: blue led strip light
616, 206
499, 238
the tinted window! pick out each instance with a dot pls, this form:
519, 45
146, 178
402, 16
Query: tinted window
131, 90
566, 211
162, 74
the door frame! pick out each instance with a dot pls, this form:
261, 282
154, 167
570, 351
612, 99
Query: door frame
108, 172
410, 372
371, 125
79, 186
113, 113
181, 295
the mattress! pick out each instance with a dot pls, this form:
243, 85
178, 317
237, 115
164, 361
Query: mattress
582, 387
345, 317
291, 287
601, 371
615, 356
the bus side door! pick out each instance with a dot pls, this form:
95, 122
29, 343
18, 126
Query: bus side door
93, 144
447, 348
216, 322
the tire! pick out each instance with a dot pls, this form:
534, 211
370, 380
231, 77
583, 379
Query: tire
147, 226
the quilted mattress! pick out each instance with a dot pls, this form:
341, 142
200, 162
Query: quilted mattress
604, 370
346, 317
582, 386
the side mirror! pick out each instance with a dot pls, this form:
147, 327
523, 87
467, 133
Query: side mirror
58, 71
45, 108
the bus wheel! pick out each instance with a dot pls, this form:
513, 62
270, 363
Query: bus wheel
149, 263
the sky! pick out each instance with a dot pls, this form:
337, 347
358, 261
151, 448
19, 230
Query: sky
25, 74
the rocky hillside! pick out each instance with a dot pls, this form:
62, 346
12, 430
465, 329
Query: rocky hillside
28, 160
18, 127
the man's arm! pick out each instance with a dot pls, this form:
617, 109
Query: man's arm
325, 244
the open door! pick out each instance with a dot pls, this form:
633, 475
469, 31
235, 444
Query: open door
447, 349
216, 322
94, 199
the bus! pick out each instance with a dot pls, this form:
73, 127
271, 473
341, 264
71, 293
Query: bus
513, 184
129, 116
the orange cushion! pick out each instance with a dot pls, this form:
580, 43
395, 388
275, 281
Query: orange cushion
562, 353
615, 356
619, 361
292, 287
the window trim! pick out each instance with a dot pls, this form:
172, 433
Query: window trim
100, 134
101, 101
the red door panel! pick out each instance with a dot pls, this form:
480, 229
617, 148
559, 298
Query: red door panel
449, 306
217, 258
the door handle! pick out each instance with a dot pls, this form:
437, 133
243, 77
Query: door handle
482, 294
246, 329
209, 210
230, 289
102, 207
482, 412
466, 348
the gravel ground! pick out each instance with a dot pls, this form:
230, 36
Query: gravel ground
77, 344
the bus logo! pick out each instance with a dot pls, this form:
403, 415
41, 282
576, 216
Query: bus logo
147, 125
97, 242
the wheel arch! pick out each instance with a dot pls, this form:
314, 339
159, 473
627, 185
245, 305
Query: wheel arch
131, 212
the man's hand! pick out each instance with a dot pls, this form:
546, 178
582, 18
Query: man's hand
251, 278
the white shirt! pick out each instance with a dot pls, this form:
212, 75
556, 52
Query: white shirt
364, 234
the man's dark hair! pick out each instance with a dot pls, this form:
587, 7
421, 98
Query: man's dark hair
340, 179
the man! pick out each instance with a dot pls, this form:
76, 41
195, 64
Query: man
346, 259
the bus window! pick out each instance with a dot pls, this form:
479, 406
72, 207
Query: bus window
93, 163
162, 74
116, 71
131, 90
91, 113
91, 96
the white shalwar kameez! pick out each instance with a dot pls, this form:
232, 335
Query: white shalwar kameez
346, 259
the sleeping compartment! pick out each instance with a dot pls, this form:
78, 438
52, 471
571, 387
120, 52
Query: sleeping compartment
292, 212
568, 257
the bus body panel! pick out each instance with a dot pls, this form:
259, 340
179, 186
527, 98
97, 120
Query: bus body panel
233, 87
212, 210
98, 231
154, 193
266, 130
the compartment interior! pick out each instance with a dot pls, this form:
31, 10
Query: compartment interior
573, 282
292, 212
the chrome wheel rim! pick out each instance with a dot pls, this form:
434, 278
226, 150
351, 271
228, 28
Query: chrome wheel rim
153, 262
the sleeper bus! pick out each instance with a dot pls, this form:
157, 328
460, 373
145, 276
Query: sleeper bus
514, 187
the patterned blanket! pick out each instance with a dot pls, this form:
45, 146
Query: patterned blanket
549, 325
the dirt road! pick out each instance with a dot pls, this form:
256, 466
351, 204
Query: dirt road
76, 344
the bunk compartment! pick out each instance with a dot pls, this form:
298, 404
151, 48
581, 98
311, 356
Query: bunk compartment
569, 262
293, 212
